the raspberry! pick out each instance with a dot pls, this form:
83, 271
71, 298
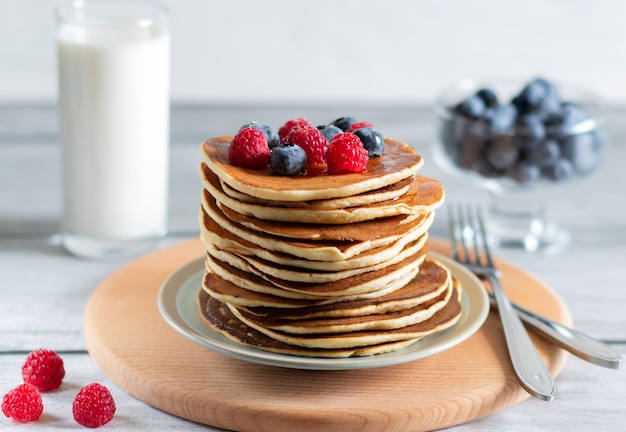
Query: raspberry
359, 125
312, 141
249, 149
43, 368
23, 403
346, 154
271, 135
290, 124
93, 406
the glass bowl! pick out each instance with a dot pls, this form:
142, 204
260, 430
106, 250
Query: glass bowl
517, 139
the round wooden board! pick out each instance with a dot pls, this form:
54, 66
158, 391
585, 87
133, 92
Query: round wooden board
131, 342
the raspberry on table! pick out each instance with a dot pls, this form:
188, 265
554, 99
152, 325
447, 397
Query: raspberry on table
290, 124
44, 369
346, 154
93, 406
359, 125
311, 140
249, 149
23, 403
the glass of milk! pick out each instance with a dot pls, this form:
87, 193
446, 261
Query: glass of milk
114, 75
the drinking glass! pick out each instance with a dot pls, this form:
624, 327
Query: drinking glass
113, 77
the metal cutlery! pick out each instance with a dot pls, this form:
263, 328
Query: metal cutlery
571, 340
577, 343
469, 247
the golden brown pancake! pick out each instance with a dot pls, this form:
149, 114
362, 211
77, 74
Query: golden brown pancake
327, 250
358, 231
389, 320
217, 316
240, 240
261, 267
378, 195
399, 162
444, 318
424, 195
432, 280
394, 276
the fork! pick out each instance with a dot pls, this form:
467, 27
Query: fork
576, 342
470, 248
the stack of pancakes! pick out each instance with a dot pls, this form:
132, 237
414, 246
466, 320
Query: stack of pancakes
322, 265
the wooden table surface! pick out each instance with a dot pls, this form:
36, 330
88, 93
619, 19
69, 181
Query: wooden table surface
43, 290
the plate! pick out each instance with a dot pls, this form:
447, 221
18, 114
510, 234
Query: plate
177, 305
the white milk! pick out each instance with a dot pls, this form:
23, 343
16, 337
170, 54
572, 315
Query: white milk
114, 111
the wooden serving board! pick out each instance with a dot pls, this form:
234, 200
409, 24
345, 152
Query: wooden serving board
131, 342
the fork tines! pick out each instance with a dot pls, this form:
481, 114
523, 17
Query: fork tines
468, 236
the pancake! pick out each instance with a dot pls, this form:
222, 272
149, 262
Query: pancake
378, 195
358, 231
262, 267
217, 316
399, 162
431, 281
390, 320
446, 317
228, 292
396, 275
424, 195
225, 234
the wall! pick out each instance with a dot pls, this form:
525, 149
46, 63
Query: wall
323, 51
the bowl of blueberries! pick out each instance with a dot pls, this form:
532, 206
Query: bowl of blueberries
518, 138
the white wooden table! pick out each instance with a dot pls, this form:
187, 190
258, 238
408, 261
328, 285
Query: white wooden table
43, 291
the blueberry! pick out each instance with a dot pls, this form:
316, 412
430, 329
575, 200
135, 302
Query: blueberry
545, 154
288, 159
372, 140
503, 118
464, 142
565, 119
502, 152
584, 151
525, 173
531, 96
488, 96
329, 131
551, 102
270, 134
343, 123
559, 171
485, 169
531, 131
472, 107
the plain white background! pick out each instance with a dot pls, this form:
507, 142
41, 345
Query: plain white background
326, 51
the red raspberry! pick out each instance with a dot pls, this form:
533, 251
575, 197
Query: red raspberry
249, 149
359, 125
312, 141
93, 406
43, 368
346, 154
23, 403
290, 124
